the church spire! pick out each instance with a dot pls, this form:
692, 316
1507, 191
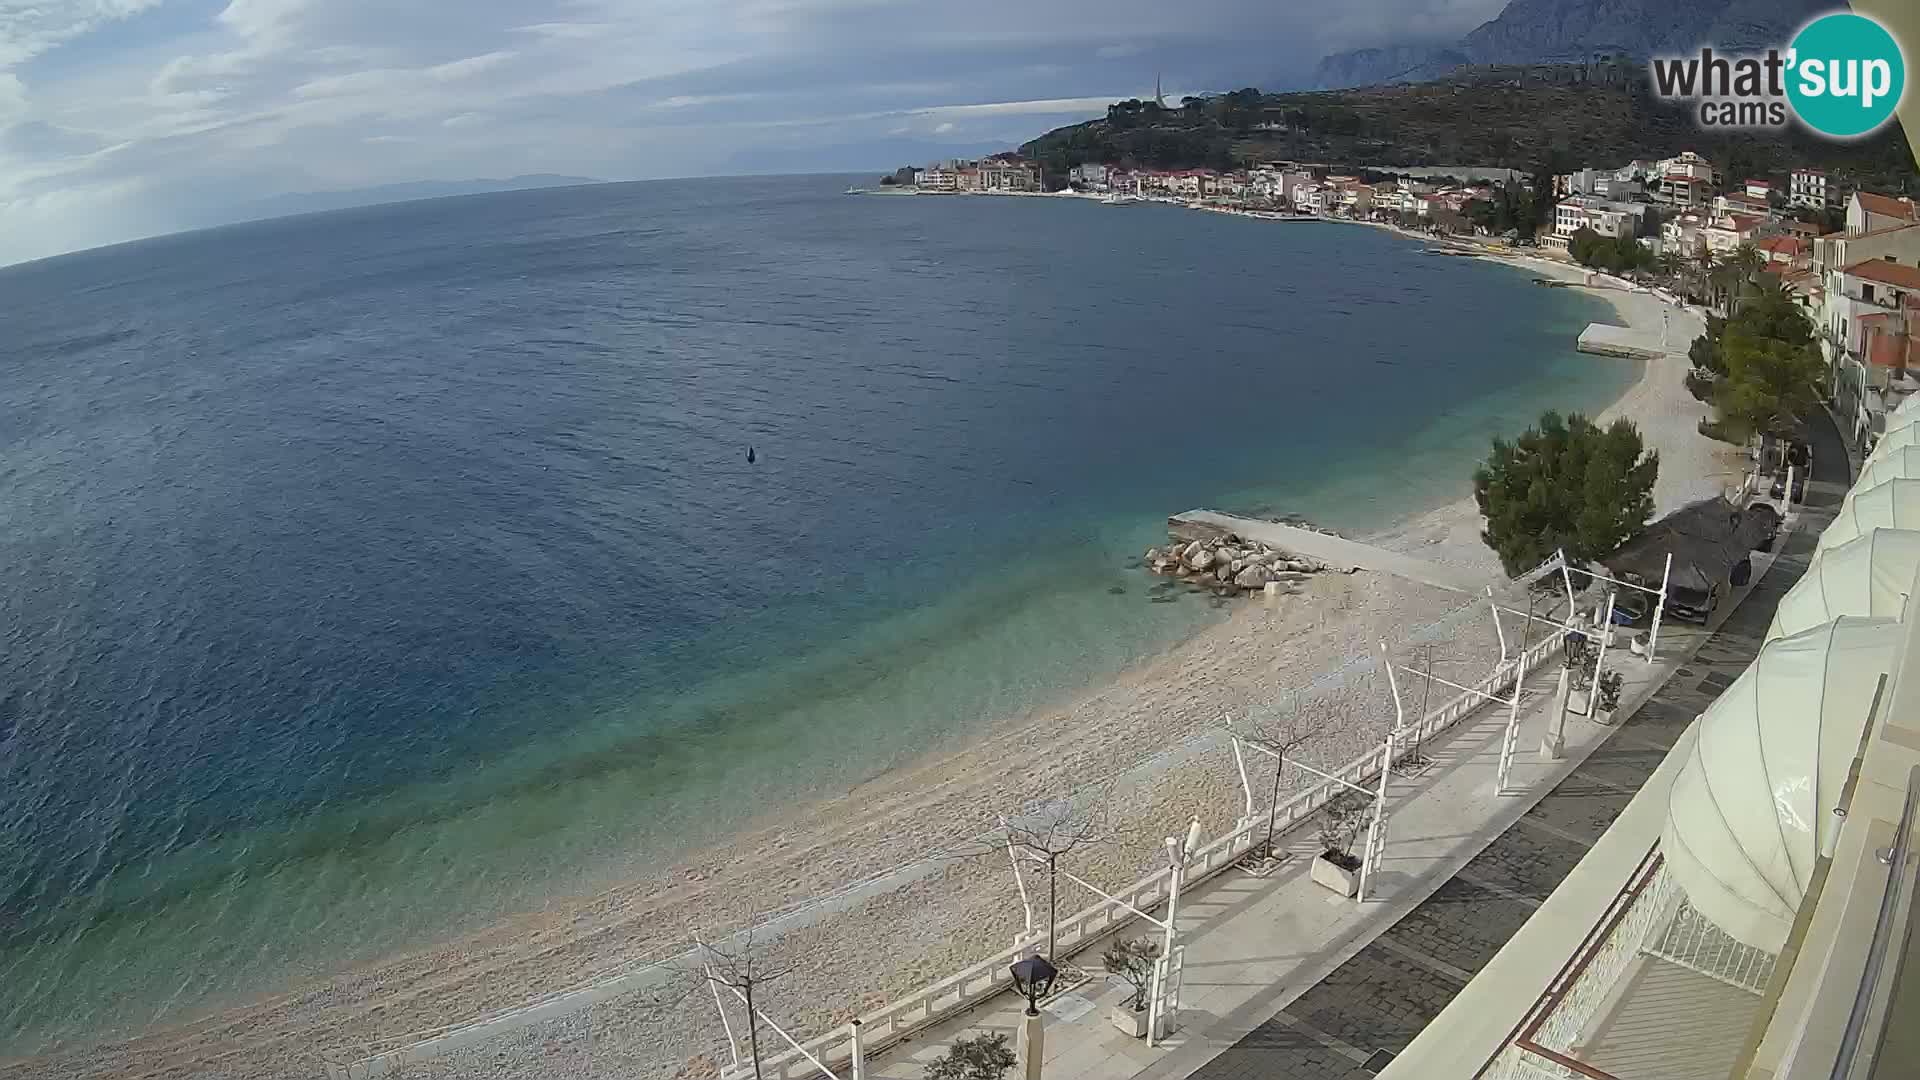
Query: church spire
1159, 98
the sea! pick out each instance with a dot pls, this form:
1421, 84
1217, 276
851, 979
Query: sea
371, 575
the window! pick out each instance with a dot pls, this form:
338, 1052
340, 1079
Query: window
1866, 292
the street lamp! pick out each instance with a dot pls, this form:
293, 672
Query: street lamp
1033, 977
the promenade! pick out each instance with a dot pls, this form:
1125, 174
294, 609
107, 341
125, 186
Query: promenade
1285, 979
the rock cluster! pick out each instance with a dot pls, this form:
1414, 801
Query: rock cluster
1228, 563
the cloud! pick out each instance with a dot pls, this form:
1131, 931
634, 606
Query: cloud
136, 119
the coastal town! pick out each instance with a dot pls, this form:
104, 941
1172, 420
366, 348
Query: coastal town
1851, 258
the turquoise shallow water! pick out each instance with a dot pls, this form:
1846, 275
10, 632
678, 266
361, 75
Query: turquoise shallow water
373, 574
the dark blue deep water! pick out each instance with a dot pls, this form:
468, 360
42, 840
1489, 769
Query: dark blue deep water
366, 574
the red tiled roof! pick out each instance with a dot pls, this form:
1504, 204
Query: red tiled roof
1790, 246
1888, 206
1886, 273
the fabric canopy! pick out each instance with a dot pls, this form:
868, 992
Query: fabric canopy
1907, 434
1752, 805
1706, 539
1901, 463
1894, 504
1868, 575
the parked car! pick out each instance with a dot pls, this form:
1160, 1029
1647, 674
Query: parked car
1692, 605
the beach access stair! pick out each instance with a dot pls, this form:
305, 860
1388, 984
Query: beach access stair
1336, 552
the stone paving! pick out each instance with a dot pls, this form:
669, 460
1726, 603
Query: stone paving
1381, 998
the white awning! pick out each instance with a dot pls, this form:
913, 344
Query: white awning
1894, 504
1752, 805
1901, 463
1869, 575
1907, 434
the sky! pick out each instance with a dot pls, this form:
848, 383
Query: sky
128, 118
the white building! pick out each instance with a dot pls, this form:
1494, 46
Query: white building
1586, 212
1867, 212
1091, 175
1811, 187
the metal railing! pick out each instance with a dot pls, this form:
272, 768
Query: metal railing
1870, 1013
963, 990
1582, 984
1694, 943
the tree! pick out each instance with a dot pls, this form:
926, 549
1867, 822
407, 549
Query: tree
1758, 367
1565, 485
1769, 385
1052, 829
1282, 734
742, 970
981, 1057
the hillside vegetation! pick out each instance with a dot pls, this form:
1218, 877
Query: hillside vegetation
1494, 119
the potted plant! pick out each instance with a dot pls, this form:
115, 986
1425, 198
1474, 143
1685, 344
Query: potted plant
1608, 689
1134, 961
1337, 867
979, 1057
1581, 657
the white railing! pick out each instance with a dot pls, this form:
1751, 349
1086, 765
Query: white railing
990, 976
1692, 942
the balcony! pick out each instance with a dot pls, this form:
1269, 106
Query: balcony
1655, 992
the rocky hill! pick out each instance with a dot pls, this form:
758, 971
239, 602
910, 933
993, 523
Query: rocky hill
1487, 117
1570, 31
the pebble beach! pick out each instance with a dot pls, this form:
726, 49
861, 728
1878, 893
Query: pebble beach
1148, 741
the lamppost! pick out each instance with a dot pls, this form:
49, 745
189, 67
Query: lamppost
1032, 977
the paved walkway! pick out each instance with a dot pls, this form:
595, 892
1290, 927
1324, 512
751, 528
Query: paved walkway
1340, 552
1348, 1025
1284, 979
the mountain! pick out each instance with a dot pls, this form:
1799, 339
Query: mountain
1526, 118
1572, 31
309, 202
1388, 64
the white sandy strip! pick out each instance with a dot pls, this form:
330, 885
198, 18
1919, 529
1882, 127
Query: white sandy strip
934, 923
1692, 466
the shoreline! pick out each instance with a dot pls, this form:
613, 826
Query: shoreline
1168, 702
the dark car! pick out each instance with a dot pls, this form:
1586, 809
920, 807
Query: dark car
1692, 605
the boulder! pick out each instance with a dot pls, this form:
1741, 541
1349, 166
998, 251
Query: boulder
1223, 557
1223, 574
1237, 565
1251, 577
1200, 560
1192, 551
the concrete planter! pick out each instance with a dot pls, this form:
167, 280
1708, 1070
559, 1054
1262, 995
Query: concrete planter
1131, 1022
1339, 879
1577, 701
